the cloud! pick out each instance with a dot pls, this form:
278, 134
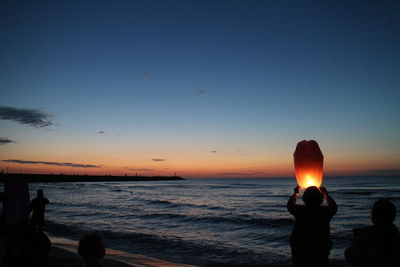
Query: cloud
33, 117
4, 141
100, 132
201, 92
213, 151
141, 170
158, 159
67, 164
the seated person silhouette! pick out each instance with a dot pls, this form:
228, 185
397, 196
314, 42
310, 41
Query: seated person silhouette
379, 244
91, 249
37, 207
310, 240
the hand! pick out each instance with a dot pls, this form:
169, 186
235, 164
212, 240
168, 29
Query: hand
296, 190
324, 191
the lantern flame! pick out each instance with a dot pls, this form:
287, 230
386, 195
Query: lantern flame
308, 164
310, 181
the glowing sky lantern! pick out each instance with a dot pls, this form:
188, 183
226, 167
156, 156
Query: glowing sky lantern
308, 164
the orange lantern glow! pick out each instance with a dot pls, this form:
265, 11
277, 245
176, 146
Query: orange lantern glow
308, 164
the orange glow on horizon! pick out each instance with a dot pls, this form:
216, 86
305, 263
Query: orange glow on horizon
188, 171
156, 169
189, 164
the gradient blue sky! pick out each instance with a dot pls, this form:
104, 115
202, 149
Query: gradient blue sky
214, 88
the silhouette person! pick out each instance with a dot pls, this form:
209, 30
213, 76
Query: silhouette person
16, 201
310, 240
379, 244
38, 207
26, 246
91, 249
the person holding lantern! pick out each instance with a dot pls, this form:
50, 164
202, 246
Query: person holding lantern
310, 240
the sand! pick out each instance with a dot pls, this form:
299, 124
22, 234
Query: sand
63, 254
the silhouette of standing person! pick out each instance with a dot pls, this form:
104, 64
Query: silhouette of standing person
310, 240
38, 208
379, 244
23, 245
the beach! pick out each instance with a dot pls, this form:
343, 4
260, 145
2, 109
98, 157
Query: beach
63, 254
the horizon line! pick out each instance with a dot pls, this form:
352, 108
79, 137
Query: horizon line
231, 177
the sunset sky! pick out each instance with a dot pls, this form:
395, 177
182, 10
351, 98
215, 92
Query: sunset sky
200, 88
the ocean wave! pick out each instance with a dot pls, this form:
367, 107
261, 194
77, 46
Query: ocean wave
360, 193
64, 230
238, 219
116, 190
105, 208
175, 249
172, 204
242, 184
163, 202
86, 205
147, 187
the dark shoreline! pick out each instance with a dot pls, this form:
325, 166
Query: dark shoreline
52, 178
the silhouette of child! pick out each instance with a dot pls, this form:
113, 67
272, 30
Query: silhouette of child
379, 244
91, 249
38, 207
310, 239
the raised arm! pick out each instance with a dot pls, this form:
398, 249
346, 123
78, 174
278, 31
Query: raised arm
329, 200
292, 200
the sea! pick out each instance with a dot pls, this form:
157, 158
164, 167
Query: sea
207, 222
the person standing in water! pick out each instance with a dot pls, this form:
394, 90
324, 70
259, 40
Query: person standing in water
37, 207
310, 240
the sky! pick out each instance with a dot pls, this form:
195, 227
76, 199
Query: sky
199, 88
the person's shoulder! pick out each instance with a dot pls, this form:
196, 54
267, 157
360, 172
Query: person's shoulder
395, 234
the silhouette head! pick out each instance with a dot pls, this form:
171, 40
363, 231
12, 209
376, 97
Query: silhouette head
312, 196
383, 212
91, 247
39, 193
